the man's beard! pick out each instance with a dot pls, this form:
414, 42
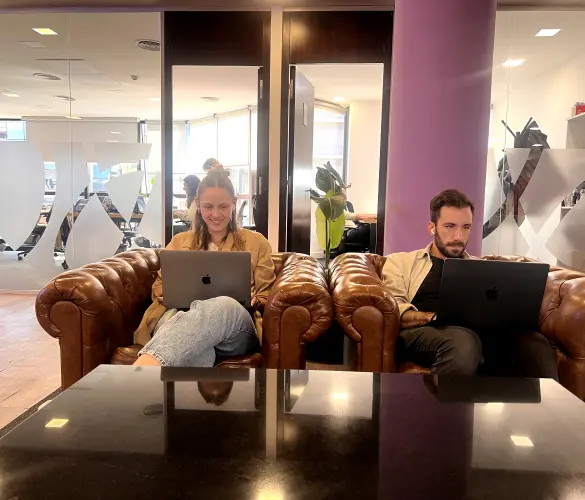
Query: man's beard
458, 254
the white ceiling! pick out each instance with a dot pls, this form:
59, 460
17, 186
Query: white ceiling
106, 44
515, 40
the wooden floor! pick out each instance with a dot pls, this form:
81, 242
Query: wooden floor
29, 358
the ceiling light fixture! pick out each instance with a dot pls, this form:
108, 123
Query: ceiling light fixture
10, 94
72, 117
548, 32
513, 63
154, 99
109, 140
210, 99
522, 441
47, 76
339, 99
116, 133
150, 45
45, 31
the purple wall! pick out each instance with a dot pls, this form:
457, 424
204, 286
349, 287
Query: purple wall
439, 113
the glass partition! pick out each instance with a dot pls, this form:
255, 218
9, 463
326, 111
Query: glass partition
535, 196
77, 179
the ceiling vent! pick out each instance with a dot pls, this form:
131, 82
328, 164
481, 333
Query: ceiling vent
47, 76
65, 98
151, 45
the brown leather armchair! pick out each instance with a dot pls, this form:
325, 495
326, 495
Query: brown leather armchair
94, 310
368, 314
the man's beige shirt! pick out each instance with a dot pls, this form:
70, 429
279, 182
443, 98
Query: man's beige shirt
404, 272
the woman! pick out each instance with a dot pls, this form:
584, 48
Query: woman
219, 326
190, 185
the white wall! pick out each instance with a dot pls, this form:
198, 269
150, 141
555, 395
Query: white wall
364, 155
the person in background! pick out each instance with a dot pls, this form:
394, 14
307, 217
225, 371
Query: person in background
220, 326
415, 278
190, 185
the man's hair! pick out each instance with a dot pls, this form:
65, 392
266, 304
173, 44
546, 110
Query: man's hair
449, 198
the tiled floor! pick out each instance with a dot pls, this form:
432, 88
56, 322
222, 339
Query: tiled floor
29, 358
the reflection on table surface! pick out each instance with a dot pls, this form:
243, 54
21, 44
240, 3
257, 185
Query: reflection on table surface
223, 433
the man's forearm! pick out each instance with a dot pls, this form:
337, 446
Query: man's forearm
415, 318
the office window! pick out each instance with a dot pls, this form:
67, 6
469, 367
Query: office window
231, 139
12, 130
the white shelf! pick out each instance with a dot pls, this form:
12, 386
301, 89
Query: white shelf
576, 117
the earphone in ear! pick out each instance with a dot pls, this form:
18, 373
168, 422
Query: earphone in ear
433, 231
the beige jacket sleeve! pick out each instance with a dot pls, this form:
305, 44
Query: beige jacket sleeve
393, 277
264, 271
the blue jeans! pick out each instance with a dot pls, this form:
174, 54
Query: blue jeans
218, 327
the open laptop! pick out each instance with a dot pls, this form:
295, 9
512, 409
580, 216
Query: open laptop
200, 275
490, 293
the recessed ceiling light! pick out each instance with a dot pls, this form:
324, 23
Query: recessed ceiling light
10, 94
65, 98
45, 31
521, 441
33, 45
210, 98
112, 141
72, 117
512, 63
339, 99
151, 45
47, 76
548, 32
116, 133
154, 99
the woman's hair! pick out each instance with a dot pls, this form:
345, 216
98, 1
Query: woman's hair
216, 177
209, 164
191, 186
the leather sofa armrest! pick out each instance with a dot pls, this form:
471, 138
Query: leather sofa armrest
366, 310
298, 310
94, 309
562, 321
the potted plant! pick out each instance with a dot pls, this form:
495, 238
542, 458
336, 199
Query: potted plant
330, 211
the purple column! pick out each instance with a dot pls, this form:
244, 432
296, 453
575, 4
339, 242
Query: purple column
439, 113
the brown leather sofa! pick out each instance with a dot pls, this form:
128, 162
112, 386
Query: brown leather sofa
368, 314
94, 310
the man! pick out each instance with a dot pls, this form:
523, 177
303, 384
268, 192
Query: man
414, 279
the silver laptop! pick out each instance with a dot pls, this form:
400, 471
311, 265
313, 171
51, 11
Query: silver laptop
200, 275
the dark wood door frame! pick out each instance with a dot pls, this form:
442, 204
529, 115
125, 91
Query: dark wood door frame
320, 37
226, 38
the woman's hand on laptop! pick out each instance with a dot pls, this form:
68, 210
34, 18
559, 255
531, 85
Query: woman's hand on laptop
415, 318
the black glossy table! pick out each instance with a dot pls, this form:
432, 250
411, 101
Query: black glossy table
131, 432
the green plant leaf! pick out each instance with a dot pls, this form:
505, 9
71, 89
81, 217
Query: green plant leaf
315, 196
324, 180
335, 175
336, 228
338, 203
321, 228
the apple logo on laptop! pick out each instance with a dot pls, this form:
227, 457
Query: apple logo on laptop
491, 293
206, 280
